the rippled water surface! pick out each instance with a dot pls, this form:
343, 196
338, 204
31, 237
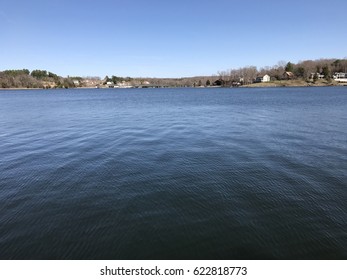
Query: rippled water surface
174, 174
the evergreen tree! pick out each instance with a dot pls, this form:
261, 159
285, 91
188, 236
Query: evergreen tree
39, 74
289, 67
300, 72
326, 72
107, 79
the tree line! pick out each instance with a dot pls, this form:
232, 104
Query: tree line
308, 70
23, 78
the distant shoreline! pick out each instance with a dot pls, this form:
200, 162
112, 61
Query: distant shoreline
46, 88
278, 83
295, 83
255, 85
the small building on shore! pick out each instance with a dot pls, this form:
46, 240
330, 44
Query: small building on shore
318, 75
110, 84
263, 79
76, 83
340, 77
288, 75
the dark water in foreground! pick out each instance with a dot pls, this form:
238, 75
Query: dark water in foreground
174, 174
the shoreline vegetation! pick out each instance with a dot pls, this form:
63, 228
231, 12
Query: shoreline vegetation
322, 72
293, 83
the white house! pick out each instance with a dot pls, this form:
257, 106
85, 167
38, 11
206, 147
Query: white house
76, 82
263, 79
124, 84
318, 75
110, 84
340, 77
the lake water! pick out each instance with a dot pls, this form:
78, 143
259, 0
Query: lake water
174, 173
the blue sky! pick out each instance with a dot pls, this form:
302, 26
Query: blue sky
156, 38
